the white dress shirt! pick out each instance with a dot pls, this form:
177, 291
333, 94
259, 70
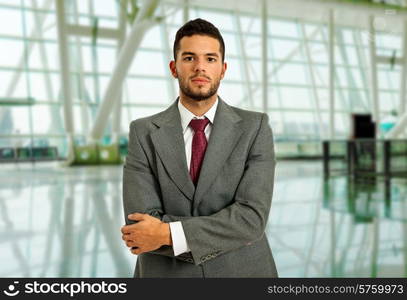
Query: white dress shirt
179, 242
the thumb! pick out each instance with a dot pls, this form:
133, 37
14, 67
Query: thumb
136, 217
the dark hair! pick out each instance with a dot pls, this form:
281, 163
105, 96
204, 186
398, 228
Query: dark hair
199, 27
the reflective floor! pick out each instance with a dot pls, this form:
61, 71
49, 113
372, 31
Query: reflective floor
65, 222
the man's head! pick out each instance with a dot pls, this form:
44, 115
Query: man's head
198, 63
198, 27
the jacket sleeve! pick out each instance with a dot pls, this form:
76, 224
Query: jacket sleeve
245, 220
141, 191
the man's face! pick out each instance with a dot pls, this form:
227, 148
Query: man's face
199, 67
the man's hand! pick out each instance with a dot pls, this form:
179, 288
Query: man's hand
148, 234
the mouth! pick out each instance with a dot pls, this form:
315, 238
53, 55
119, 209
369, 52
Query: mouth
200, 80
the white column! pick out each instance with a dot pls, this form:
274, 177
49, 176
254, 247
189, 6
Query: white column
264, 34
65, 76
373, 73
186, 11
142, 23
81, 78
402, 107
167, 57
118, 107
245, 71
331, 37
310, 66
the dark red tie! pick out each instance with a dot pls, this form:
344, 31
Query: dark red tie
198, 147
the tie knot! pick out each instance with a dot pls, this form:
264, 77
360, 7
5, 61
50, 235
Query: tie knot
199, 124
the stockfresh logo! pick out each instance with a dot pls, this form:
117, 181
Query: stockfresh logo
12, 291
70, 289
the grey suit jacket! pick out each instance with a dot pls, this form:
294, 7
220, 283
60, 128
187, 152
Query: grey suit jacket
224, 217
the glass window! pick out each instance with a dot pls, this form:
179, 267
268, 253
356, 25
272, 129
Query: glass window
149, 63
147, 91
293, 97
14, 21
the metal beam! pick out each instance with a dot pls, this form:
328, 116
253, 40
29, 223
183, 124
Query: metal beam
381, 59
87, 31
315, 98
243, 58
117, 114
26, 54
55, 124
286, 59
362, 65
65, 76
43, 53
185, 11
373, 73
281, 109
353, 94
167, 57
16, 101
293, 52
264, 48
403, 77
27, 51
337, 83
81, 94
144, 21
331, 48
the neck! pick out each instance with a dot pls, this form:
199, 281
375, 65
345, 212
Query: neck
198, 108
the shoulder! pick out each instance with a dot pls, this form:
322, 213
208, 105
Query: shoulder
145, 124
250, 118
141, 122
247, 114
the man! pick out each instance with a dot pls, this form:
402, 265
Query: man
198, 178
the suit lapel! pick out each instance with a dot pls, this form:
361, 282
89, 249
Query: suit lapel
224, 136
170, 146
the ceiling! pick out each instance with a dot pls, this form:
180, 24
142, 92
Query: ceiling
353, 13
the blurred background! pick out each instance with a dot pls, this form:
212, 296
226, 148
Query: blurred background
331, 75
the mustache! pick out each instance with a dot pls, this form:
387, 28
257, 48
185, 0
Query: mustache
200, 75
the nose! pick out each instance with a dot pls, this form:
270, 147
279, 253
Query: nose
200, 65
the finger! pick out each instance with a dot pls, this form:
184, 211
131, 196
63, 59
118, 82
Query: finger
130, 244
126, 237
130, 238
136, 251
136, 217
126, 229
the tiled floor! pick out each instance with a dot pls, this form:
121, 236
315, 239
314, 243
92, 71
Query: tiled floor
65, 222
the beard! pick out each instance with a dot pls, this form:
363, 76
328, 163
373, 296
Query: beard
200, 95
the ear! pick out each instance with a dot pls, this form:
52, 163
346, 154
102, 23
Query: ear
224, 67
173, 69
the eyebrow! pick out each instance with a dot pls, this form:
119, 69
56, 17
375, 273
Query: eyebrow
192, 53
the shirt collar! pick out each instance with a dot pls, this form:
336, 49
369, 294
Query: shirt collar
187, 116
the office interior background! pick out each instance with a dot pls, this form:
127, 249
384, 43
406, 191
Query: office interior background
331, 75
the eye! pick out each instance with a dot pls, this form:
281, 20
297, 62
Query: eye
211, 59
188, 58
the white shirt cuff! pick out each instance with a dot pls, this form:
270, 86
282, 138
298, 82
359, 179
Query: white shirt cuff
179, 242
